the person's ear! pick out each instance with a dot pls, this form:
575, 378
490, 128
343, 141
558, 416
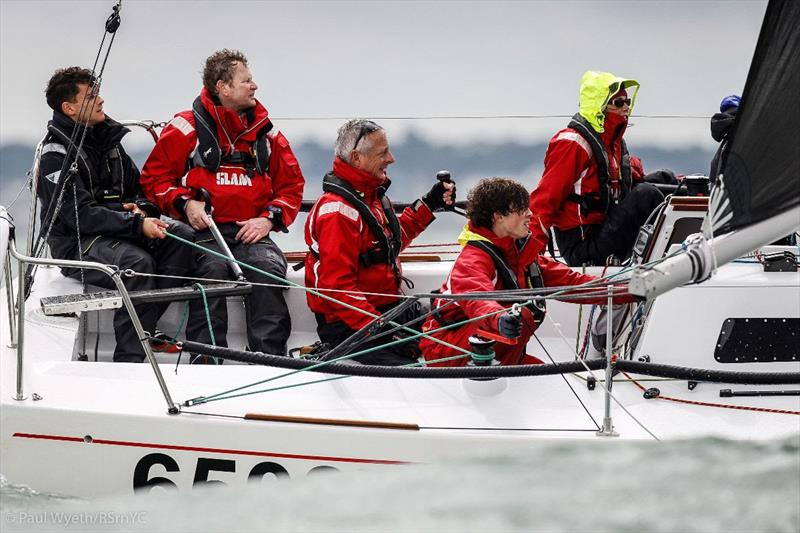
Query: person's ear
220, 87
66, 108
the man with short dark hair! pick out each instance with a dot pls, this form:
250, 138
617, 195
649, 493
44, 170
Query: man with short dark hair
102, 215
224, 145
355, 237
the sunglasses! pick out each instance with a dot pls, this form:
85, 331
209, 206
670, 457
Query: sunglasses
619, 102
367, 127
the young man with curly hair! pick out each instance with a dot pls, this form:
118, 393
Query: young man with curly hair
497, 254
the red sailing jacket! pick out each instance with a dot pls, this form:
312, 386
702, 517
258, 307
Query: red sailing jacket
234, 195
475, 271
337, 236
569, 167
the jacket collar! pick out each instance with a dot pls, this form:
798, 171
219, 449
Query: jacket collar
358, 179
472, 233
101, 136
233, 125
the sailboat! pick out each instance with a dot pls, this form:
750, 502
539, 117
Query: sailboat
714, 350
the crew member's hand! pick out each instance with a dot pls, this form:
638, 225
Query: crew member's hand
196, 214
442, 194
133, 208
510, 325
253, 230
154, 228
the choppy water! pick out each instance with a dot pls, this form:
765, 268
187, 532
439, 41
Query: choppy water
694, 485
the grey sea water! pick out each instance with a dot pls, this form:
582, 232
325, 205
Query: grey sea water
707, 485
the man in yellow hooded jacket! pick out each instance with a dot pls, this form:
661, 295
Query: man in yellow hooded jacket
592, 192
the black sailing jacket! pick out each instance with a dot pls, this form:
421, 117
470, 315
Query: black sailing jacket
106, 178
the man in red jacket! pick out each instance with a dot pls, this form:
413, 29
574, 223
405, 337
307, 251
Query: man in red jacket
224, 145
592, 191
497, 254
354, 238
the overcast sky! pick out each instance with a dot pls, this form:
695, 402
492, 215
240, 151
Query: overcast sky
390, 59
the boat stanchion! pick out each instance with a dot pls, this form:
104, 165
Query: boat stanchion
144, 339
608, 426
12, 310
116, 276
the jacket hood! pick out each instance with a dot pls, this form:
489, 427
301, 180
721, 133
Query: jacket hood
597, 88
721, 123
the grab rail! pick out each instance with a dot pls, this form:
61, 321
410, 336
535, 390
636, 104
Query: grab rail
115, 274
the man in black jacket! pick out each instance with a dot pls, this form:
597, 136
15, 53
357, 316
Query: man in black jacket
100, 216
721, 131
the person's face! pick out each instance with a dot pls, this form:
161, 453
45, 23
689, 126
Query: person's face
376, 157
87, 108
515, 224
240, 93
619, 105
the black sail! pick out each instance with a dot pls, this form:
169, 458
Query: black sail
761, 173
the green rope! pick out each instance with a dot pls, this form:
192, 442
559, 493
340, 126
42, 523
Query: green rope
226, 394
208, 312
285, 281
208, 317
483, 357
207, 399
181, 322
465, 353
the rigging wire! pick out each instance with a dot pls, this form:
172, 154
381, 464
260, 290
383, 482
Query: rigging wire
557, 327
478, 117
80, 128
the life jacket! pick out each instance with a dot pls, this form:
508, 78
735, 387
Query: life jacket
208, 153
533, 280
107, 186
605, 199
388, 247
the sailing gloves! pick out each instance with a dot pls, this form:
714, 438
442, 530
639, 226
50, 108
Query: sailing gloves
510, 325
663, 176
434, 199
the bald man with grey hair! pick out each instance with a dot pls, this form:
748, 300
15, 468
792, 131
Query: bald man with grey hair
355, 238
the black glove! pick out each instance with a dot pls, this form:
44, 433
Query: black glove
434, 199
510, 325
149, 208
664, 176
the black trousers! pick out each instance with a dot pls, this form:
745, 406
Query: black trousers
334, 333
152, 256
268, 321
592, 245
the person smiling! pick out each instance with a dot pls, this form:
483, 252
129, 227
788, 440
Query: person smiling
355, 237
497, 254
224, 145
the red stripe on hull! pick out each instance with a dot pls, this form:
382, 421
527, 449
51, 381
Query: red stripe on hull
213, 450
